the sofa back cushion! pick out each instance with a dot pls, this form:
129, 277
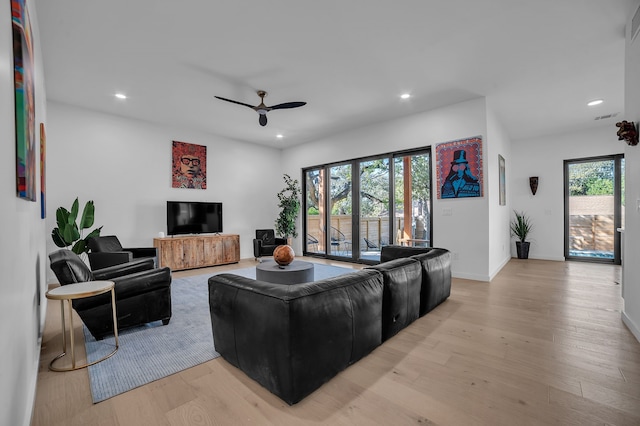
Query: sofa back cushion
292, 339
268, 236
69, 268
401, 296
396, 252
107, 243
436, 278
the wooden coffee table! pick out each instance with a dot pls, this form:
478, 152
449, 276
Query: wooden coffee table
70, 292
296, 272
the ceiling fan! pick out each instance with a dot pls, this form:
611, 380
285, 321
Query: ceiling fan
262, 109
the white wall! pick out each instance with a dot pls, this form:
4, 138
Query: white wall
499, 233
543, 157
124, 166
23, 256
465, 232
631, 267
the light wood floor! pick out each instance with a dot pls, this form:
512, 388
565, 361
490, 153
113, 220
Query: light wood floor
543, 343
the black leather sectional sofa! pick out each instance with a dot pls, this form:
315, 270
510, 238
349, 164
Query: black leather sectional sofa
292, 339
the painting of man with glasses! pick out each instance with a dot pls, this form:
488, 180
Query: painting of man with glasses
189, 165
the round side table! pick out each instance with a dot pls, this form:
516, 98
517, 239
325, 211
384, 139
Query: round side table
70, 292
297, 272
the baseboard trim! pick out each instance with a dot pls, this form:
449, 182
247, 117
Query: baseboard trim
555, 259
499, 268
633, 327
473, 277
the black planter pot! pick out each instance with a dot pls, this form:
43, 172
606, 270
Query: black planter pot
522, 247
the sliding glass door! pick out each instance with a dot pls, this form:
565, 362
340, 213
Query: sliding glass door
315, 209
374, 207
354, 208
340, 210
412, 179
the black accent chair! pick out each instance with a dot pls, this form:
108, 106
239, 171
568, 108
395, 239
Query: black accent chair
107, 251
266, 242
143, 292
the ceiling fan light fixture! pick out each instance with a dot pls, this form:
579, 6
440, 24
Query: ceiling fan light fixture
262, 109
120, 96
405, 96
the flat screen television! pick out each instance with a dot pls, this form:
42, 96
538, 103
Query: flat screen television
193, 217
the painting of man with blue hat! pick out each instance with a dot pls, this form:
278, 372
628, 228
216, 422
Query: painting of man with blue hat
461, 181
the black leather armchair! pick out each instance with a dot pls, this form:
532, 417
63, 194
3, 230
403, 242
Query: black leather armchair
107, 251
143, 292
266, 242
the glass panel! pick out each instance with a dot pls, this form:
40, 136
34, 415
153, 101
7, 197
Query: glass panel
591, 209
315, 211
374, 207
340, 206
413, 200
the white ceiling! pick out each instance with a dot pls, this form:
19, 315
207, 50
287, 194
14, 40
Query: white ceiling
537, 62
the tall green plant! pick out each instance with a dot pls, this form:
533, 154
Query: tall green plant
68, 232
521, 226
289, 203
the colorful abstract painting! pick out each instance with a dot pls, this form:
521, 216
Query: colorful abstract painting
43, 181
24, 100
189, 165
459, 168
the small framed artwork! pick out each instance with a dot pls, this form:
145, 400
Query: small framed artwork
502, 181
189, 165
459, 169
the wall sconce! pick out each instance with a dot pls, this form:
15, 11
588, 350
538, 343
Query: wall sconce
627, 131
533, 184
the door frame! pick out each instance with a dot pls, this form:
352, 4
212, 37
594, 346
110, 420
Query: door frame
617, 208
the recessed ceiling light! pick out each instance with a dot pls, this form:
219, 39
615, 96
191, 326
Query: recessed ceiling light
279, 136
595, 102
120, 96
405, 96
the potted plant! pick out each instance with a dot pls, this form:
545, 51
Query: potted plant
289, 203
520, 228
69, 233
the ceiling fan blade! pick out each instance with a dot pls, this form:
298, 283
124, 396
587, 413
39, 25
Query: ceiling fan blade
263, 119
235, 102
288, 105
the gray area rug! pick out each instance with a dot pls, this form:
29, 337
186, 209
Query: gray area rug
154, 351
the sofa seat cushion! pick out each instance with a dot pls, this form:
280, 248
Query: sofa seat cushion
401, 296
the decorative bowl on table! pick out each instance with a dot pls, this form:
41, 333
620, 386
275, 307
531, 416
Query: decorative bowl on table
283, 255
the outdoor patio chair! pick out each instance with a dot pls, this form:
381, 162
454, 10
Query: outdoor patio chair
339, 243
312, 242
371, 246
